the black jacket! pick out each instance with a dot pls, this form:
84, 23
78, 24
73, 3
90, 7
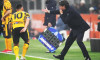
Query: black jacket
73, 19
51, 5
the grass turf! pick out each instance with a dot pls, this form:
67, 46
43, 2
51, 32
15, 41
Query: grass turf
12, 57
38, 50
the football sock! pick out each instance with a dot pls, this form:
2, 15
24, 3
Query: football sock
16, 51
9, 42
25, 47
6, 44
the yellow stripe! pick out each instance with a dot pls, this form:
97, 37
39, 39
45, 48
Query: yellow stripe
6, 30
28, 34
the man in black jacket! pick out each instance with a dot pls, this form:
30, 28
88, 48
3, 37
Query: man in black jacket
76, 23
50, 19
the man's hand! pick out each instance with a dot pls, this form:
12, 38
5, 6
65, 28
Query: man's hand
46, 10
2, 19
61, 12
49, 24
23, 30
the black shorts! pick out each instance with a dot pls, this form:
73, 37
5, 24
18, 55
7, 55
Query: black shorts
16, 35
6, 31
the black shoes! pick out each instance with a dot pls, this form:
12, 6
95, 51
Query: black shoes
62, 58
59, 57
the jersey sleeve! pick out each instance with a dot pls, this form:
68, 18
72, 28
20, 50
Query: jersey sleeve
7, 6
27, 16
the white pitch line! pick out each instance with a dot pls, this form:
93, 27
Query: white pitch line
28, 56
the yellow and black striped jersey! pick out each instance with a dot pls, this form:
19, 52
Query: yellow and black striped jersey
18, 19
6, 6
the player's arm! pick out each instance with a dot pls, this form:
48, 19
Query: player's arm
7, 13
52, 12
8, 8
26, 24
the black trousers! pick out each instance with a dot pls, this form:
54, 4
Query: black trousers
74, 34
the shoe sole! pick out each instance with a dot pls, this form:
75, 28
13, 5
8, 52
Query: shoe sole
9, 51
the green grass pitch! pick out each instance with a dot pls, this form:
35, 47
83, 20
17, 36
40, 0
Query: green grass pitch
37, 51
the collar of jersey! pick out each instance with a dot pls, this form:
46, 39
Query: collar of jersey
6, 0
19, 11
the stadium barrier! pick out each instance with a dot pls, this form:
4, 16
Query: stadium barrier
92, 19
93, 34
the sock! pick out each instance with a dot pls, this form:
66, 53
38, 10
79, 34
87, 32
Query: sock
25, 47
9, 41
6, 44
16, 51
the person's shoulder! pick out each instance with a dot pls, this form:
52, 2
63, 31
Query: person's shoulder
72, 9
25, 12
7, 2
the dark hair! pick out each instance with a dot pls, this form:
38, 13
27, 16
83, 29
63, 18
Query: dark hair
19, 6
64, 3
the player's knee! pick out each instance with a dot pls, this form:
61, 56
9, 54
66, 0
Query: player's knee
15, 44
26, 46
15, 47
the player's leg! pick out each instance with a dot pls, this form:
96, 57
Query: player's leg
68, 44
16, 35
25, 37
8, 40
9, 44
6, 44
82, 46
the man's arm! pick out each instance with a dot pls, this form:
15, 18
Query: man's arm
53, 12
26, 25
7, 13
8, 8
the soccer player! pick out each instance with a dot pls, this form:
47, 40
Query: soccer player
20, 22
7, 11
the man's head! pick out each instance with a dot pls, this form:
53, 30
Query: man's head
82, 3
19, 7
63, 5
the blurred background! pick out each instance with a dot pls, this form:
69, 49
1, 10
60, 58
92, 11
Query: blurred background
90, 12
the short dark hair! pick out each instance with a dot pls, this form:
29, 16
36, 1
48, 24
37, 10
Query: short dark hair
64, 3
19, 6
